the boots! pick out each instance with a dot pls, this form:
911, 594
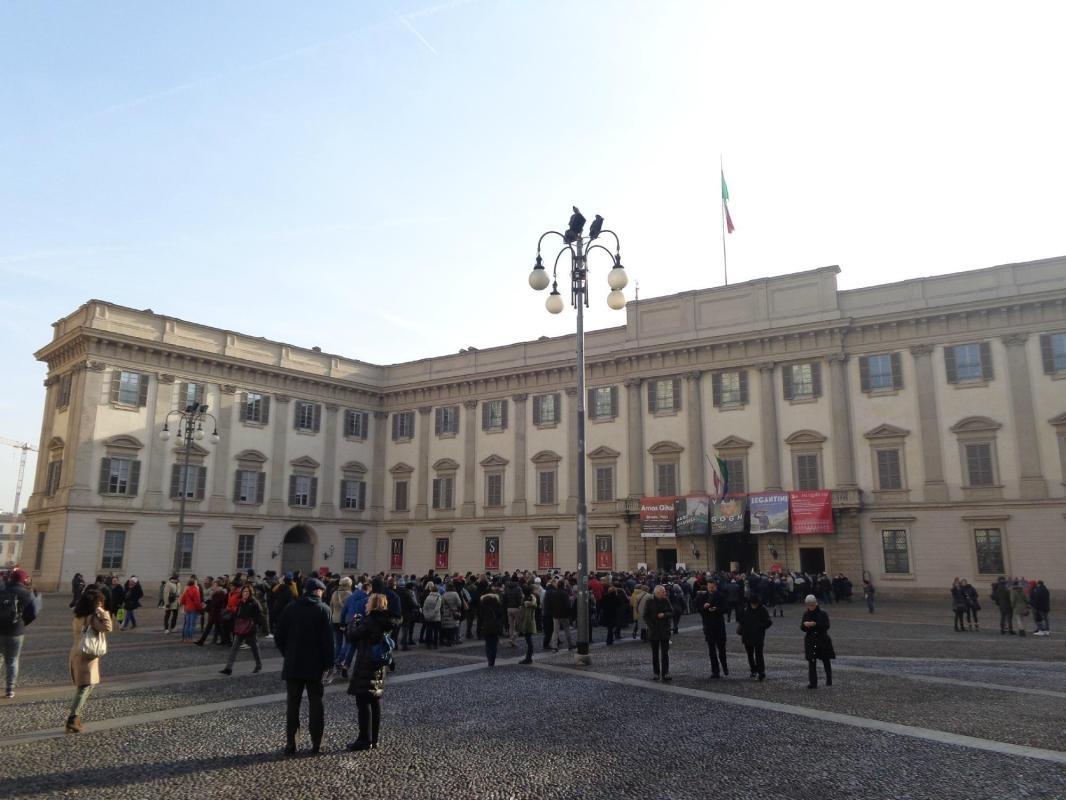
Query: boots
74, 725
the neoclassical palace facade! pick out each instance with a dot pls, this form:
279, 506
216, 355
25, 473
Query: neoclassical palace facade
934, 409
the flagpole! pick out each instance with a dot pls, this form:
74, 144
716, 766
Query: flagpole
725, 260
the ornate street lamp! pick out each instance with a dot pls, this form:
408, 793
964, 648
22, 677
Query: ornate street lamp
579, 246
190, 426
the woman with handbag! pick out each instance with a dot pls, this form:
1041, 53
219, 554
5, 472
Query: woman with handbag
367, 684
246, 620
90, 627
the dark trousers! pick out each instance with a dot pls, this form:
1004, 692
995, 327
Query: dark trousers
971, 615
529, 646
170, 619
316, 714
492, 643
407, 637
755, 659
1005, 621
717, 653
212, 627
549, 629
812, 672
432, 634
369, 708
613, 632
660, 656
960, 624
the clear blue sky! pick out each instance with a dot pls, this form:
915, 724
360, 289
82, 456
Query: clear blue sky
371, 177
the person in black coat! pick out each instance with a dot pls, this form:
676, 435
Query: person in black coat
817, 646
1040, 601
659, 615
712, 605
491, 619
752, 623
611, 612
134, 593
368, 678
304, 635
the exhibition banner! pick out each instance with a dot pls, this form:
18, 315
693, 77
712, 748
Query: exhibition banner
396, 557
605, 552
769, 512
692, 514
442, 553
657, 516
492, 553
727, 515
812, 512
545, 552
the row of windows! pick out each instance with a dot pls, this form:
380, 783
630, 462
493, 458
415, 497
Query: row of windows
987, 548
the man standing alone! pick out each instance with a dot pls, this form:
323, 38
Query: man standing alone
304, 637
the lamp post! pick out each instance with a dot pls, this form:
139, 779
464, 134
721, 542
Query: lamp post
579, 246
190, 426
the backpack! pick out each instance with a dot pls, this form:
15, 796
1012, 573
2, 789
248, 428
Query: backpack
381, 653
10, 612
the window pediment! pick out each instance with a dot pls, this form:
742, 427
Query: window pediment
194, 450
975, 425
805, 437
446, 465
252, 456
494, 461
732, 443
401, 469
666, 449
1059, 421
123, 442
546, 457
354, 466
603, 453
56, 443
305, 462
886, 431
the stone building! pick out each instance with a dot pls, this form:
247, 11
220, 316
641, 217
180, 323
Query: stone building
12, 530
934, 409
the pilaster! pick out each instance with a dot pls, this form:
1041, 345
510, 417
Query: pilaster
379, 477
422, 497
635, 436
771, 440
80, 470
328, 485
222, 471
279, 486
519, 506
156, 449
1033, 485
840, 409
935, 489
470, 457
697, 480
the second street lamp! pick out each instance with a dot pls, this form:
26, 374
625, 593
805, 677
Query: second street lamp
579, 246
190, 426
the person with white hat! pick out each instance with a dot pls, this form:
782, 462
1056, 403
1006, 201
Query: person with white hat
817, 645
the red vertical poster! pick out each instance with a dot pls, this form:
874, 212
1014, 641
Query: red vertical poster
492, 552
604, 552
396, 555
442, 554
545, 552
812, 512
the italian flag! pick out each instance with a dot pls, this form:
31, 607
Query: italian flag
725, 206
721, 473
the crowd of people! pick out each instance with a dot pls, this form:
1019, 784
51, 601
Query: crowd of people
1015, 599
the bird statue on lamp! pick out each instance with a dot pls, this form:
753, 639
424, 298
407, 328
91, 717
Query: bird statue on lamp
595, 227
577, 225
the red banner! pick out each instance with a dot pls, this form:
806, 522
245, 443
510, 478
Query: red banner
545, 552
396, 557
657, 516
442, 554
604, 552
812, 512
492, 552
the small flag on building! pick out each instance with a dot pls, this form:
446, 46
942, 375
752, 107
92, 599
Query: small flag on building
725, 205
720, 476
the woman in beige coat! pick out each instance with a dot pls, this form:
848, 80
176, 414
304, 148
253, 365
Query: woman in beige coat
85, 670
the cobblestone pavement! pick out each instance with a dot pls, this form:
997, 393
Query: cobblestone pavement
916, 711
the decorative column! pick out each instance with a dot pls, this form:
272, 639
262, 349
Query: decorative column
470, 457
935, 489
518, 507
329, 488
697, 480
221, 471
1033, 485
422, 506
378, 470
78, 473
154, 479
840, 409
635, 436
279, 485
51, 397
771, 440
571, 451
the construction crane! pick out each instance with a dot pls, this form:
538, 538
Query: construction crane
25, 448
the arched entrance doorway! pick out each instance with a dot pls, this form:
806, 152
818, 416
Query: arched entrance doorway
298, 549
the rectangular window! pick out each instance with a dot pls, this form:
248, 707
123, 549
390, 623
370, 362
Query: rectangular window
494, 489
308, 416
603, 403
403, 425
807, 472
989, 544
255, 408
968, 363
129, 388
979, 471
546, 409
604, 484
896, 553
399, 496
1056, 348
189, 480
303, 491
665, 396
666, 480
55, 472
191, 394
355, 424
546, 487
802, 380
63, 400
447, 420
353, 494
730, 392
351, 552
114, 549
118, 478
245, 551
738, 480
185, 548
248, 482
494, 415
38, 557
889, 470
443, 493
880, 371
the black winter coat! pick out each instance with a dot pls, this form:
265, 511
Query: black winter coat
368, 679
27, 610
557, 604
1040, 599
752, 623
611, 611
659, 630
491, 614
304, 636
713, 617
133, 597
816, 642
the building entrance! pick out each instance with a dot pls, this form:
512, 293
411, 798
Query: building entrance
666, 559
812, 560
736, 551
298, 550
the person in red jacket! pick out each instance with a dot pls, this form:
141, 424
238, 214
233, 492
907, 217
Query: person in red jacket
192, 603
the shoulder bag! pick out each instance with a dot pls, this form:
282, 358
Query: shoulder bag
93, 642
